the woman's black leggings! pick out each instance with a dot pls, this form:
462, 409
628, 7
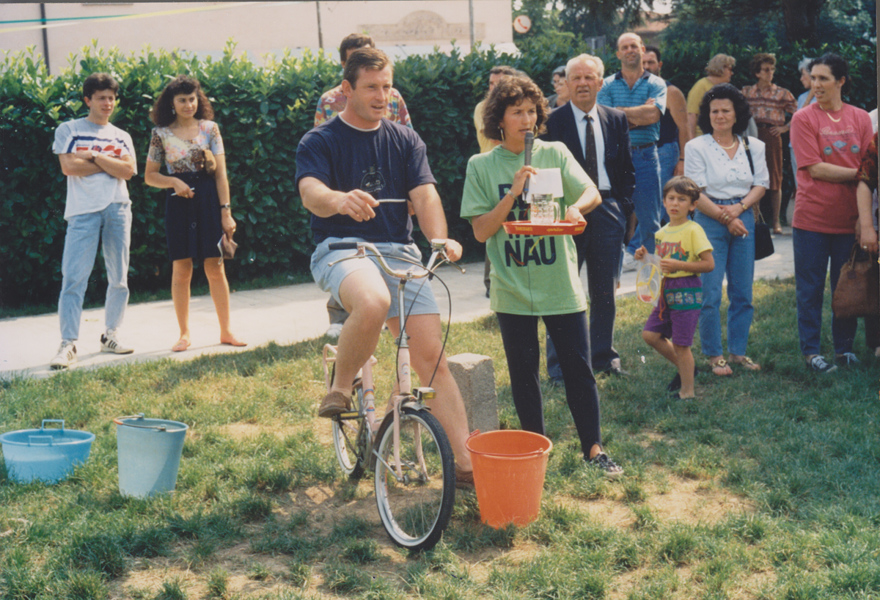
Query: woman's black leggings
571, 338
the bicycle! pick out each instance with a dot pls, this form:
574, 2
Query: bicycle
408, 450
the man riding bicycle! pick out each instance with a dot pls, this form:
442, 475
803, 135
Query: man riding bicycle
355, 174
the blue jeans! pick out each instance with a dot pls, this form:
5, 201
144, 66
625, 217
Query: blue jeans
812, 252
646, 198
734, 257
599, 247
113, 227
668, 154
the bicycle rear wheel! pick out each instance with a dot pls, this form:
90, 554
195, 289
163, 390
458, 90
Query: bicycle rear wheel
351, 436
416, 507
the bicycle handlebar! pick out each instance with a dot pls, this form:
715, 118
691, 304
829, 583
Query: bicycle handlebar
438, 248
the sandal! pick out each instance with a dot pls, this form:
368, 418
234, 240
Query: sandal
746, 363
720, 368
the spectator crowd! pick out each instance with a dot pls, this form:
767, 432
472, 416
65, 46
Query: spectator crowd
658, 180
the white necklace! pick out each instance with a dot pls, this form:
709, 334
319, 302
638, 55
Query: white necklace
837, 120
730, 147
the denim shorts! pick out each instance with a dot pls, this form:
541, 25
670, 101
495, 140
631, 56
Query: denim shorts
418, 297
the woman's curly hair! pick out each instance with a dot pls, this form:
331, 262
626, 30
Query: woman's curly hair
510, 91
725, 91
162, 113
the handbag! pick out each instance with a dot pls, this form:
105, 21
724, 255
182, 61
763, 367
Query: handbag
209, 162
227, 247
857, 293
763, 238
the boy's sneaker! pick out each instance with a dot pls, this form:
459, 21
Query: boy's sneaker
847, 359
66, 356
109, 343
611, 468
820, 365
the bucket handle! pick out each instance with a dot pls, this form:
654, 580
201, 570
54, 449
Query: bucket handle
535, 453
43, 424
139, 416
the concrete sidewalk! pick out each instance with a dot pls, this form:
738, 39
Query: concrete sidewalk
283, 315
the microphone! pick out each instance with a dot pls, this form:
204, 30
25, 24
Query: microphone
530, 141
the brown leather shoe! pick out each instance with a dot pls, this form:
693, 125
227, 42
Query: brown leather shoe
464, 480
333, 404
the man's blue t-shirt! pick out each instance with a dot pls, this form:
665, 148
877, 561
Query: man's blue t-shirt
616, 93
387, 163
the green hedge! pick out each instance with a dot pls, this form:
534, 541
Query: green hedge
263, 111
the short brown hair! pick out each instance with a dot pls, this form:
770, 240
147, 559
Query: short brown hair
162, 113
510, 91
759, 60
684, 186
98, 82
371, 59
353, 41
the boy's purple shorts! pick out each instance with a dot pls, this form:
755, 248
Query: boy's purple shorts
677, 325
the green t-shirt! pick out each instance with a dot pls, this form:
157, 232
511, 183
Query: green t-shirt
531, 275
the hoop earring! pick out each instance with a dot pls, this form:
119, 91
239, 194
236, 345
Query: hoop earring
536, 129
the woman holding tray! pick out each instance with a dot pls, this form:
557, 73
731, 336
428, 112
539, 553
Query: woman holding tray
197, 209
535, 276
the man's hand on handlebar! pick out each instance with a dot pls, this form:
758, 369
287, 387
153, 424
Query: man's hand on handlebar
453, 250
358, 205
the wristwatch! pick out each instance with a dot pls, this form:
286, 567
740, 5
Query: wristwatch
94, 154
743, 205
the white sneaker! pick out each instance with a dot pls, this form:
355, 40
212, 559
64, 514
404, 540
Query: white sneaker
629, 262
109, 343
334, 330
66, 356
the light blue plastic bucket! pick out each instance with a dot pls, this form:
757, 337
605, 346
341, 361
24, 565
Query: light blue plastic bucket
149, 455
48, 455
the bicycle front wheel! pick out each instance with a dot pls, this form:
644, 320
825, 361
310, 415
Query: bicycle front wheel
416, 503
351, 436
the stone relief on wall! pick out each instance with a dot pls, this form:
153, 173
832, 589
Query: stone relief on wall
423, 26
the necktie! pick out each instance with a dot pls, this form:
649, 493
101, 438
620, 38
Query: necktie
590, 152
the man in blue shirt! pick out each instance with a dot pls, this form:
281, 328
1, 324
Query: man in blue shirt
355, 174
642, 97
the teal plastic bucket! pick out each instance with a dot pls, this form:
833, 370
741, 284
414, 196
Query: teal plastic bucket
48, 455
149, 455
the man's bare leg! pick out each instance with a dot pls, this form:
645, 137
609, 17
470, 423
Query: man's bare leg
425, 347
365, 296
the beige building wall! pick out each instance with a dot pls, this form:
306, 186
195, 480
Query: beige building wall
258, 28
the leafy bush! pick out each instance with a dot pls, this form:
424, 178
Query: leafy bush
263, 111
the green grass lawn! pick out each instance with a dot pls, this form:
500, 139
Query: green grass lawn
766, 486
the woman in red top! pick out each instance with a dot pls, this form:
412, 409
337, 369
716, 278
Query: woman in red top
830, 138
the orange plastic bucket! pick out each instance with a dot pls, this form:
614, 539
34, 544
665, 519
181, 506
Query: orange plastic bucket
509, 468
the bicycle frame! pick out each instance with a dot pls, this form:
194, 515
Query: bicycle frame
404, 394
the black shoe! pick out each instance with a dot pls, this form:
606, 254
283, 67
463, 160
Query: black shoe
608, 466
675, 384
614, 369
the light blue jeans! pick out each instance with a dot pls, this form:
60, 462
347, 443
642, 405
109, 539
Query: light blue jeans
734, 257
646, 197
113, 227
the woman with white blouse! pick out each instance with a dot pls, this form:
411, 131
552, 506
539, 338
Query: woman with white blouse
732, 172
